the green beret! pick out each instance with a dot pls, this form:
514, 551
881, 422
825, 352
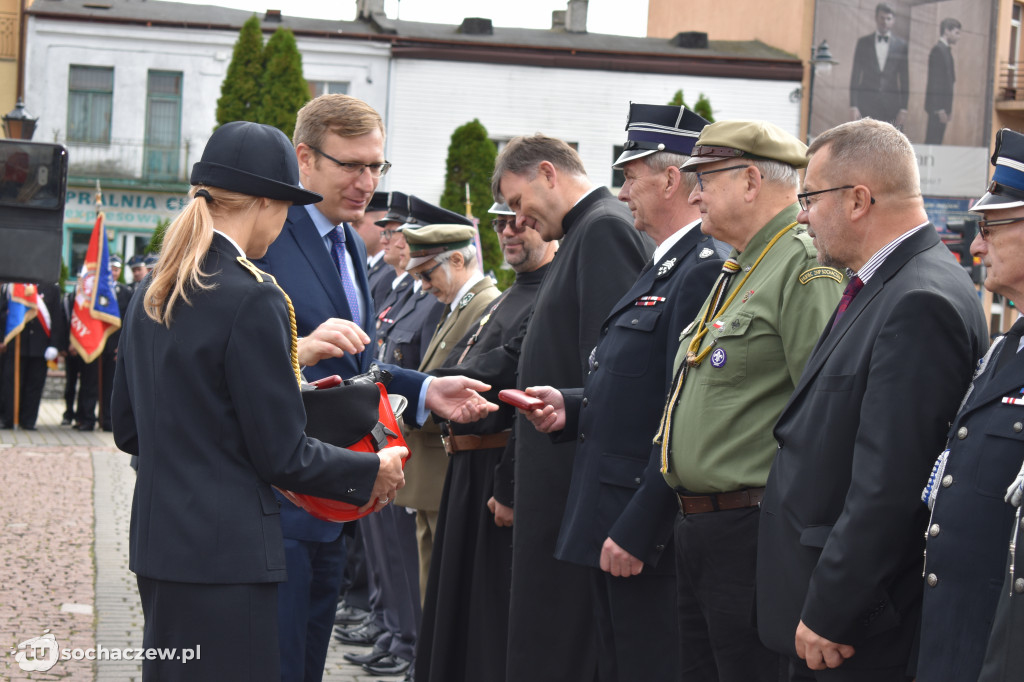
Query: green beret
748, 140
430, 241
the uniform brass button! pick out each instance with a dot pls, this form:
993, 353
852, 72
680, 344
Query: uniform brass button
443, 344
659, 548
586, 401
933, 530
1018, 585
1018, 427
596, 365
635, 321
933, 580
961, 432
947, 480
583, 437
638, 480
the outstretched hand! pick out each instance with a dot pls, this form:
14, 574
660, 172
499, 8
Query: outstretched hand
457, 398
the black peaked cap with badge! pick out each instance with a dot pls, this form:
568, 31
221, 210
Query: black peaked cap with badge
397, 205
1007, 187
378, 202
253, 159
747, 140
653, 128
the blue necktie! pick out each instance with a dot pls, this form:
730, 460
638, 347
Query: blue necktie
338, 251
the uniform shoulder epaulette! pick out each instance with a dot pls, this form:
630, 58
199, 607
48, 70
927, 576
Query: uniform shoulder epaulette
260, 276
800, 234
820, 271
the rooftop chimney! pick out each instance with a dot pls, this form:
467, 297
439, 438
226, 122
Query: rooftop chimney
558, 20
365, 9
476, 26
576, 16
692, 39
273, 16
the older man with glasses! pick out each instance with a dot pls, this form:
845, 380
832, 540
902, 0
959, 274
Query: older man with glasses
735, 367
966, 589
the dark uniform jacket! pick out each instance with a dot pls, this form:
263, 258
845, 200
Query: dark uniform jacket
617, 488
971, 525
1004, 658
405, 328
841, 531
211, 406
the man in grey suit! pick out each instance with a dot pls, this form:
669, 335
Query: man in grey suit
841, 534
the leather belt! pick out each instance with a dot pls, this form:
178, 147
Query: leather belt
453, 444
739, 499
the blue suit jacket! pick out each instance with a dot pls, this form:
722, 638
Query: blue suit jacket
306, 271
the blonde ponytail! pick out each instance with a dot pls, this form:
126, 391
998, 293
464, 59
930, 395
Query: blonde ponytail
188, 238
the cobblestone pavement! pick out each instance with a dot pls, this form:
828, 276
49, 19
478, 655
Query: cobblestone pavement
64, 555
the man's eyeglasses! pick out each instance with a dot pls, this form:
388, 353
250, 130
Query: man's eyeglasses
499, 224
985, 226
425, 275
376, 169
804, 196
701, 174
388, 234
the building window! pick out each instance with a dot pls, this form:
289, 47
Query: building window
163, 125
618, 179
317, 88
90, 101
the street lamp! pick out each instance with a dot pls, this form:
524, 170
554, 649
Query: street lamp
821, 61
19, 124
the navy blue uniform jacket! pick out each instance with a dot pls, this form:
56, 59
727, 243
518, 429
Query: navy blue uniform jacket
617, 489
212, 408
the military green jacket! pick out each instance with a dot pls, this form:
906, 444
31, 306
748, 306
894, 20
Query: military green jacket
721, 427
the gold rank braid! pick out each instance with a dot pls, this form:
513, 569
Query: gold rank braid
693, 358
293, 329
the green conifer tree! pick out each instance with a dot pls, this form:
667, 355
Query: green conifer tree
240, 91
471, 157
702, 108
283, 90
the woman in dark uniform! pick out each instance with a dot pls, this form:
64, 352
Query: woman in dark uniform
206, 393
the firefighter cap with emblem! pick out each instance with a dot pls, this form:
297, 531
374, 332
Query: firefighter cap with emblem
653, 128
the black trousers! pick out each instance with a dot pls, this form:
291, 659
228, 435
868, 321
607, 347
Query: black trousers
716, 557
799, 672
30, 388
88, 392
72, 368
227, 632
637, 629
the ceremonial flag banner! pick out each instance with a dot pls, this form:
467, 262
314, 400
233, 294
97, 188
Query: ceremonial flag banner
95, 315
25, 304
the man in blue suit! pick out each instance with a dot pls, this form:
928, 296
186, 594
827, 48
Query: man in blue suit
320, 262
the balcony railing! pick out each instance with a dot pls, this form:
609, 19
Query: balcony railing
127, 160
1010, 84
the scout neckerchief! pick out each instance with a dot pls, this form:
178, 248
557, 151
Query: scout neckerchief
293, 329
694, 356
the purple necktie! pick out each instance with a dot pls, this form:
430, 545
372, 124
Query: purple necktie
852, 289
338, 251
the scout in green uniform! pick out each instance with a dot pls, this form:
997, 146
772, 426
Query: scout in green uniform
736, 366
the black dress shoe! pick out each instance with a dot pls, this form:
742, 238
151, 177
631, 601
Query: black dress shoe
389, 665
350, 615
85, 427
364, 635
362, 659
66, 421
